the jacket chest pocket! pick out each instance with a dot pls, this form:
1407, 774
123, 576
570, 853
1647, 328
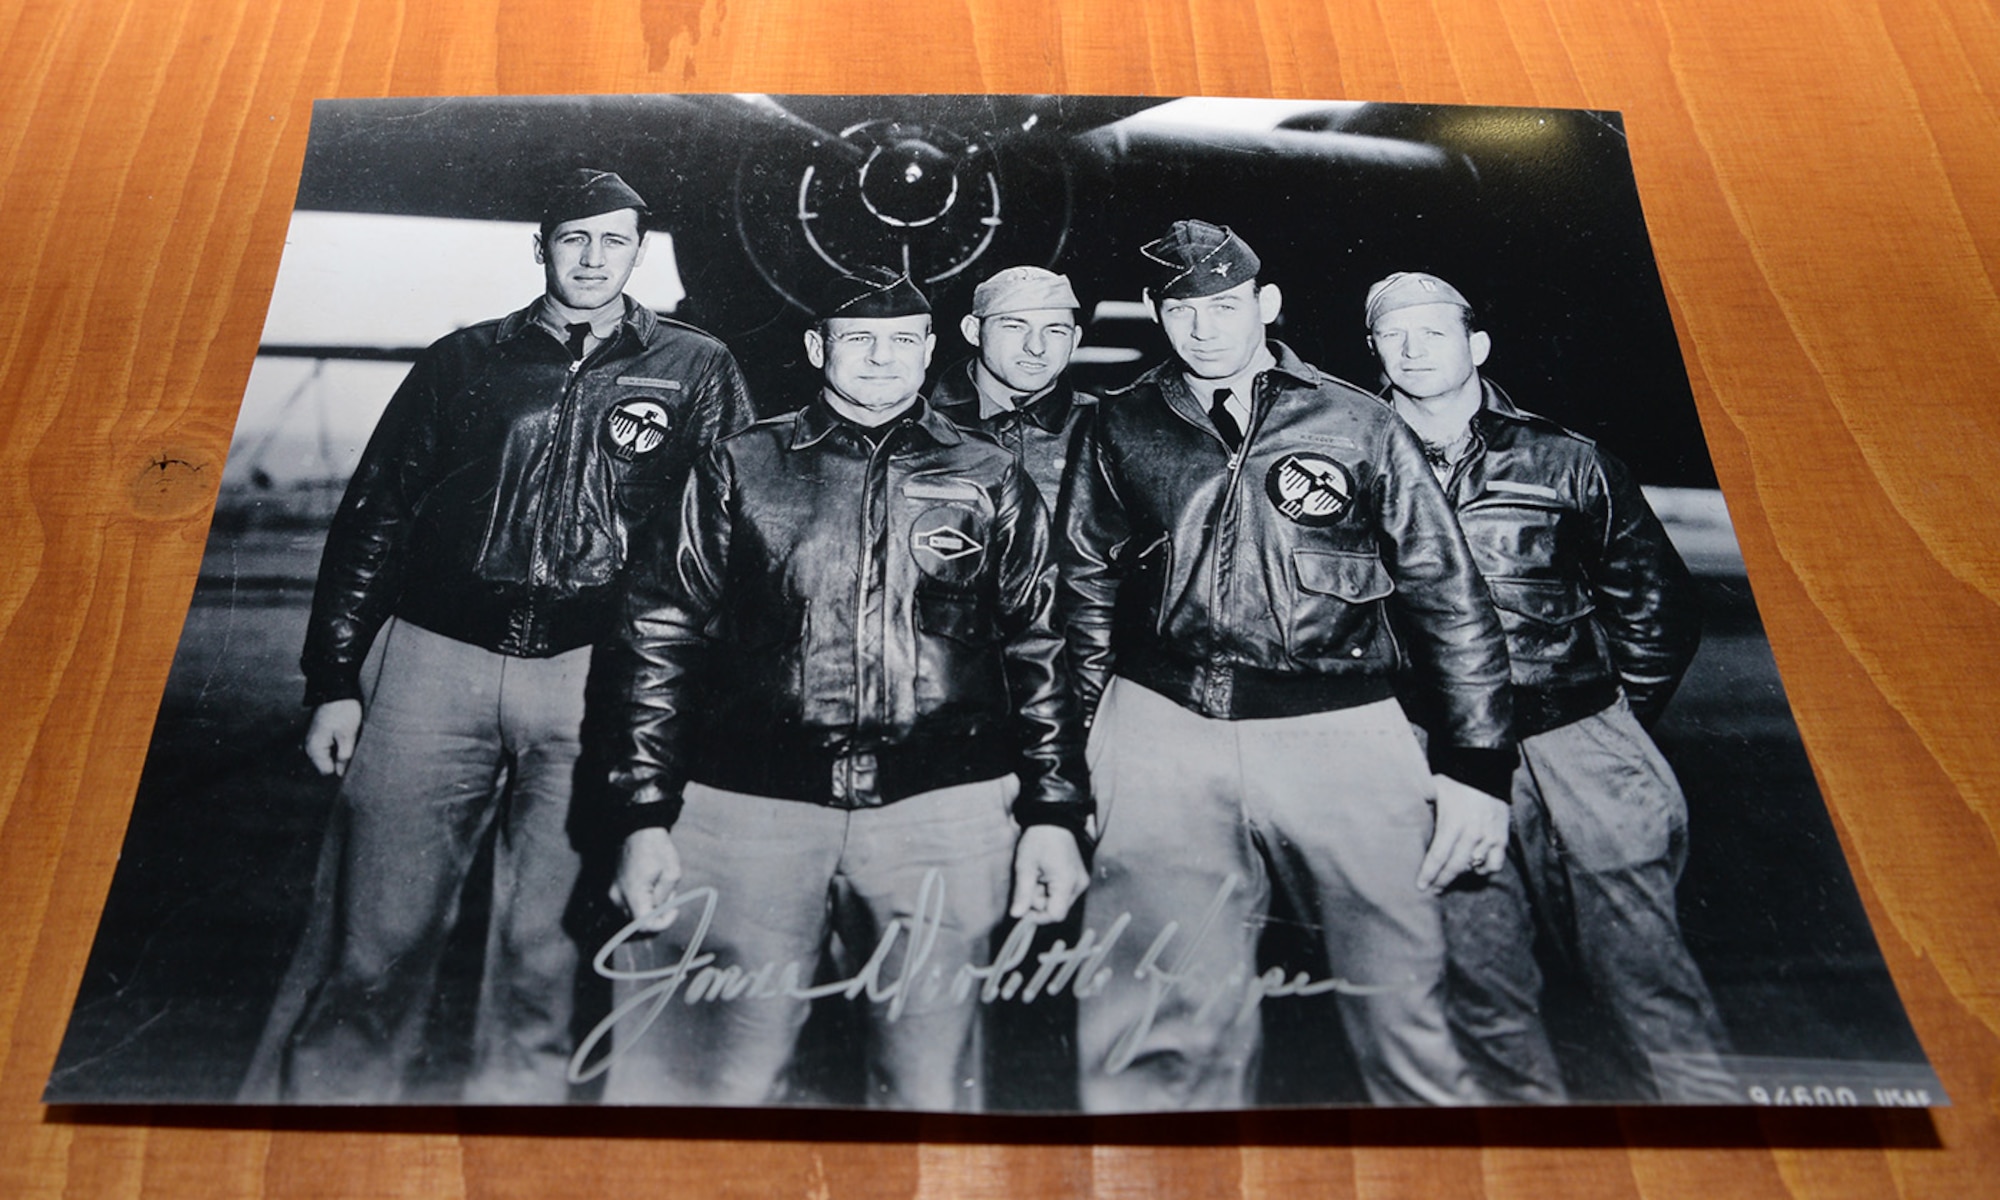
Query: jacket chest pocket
955, 616
958, 662
1512, 532
1543, 617
950, 543
1336, 611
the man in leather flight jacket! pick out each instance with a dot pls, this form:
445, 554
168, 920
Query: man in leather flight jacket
1247, 543
484, 535
838, 704
1023, 325
1601, 623
1015, 390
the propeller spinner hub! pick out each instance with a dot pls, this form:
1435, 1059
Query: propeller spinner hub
911, 197
909, 182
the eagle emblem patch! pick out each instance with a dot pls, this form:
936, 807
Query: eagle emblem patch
1309, 488
637, 426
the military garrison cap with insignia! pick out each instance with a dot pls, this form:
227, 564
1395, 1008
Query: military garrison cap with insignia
1407, 289
588, 192
873, 292
1199, 259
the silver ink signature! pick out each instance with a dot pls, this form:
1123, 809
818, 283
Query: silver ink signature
695, 977
1165, 983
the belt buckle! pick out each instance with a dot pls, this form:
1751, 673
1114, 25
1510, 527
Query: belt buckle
856, 783
1218, 690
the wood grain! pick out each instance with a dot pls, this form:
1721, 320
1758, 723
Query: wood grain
1823, 186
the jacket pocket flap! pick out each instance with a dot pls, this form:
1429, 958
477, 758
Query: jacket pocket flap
1550, 601
1355, 578
961, 618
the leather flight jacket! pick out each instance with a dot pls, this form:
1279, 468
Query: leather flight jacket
1286, 578
1039, 434
845, 617
498, 495
1592, 594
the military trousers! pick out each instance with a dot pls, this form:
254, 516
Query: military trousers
455, 740
1602, 828
709, 1011
1201, 820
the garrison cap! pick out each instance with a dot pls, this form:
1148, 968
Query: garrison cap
1019, 289
588, 192
1407, 289
1199, 259
873, 292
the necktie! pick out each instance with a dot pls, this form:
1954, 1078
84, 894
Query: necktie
1225, 421
578, 335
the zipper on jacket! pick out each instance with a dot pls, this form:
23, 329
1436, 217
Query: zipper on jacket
559, 460
870, 564
1226, 516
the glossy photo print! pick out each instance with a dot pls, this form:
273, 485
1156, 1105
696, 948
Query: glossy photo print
1009, 604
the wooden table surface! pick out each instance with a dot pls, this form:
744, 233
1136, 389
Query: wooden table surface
1822, 180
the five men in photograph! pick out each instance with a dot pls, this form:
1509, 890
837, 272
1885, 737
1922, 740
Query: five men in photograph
482, 542
1239, 533
837, 707
1601, 623
841, 664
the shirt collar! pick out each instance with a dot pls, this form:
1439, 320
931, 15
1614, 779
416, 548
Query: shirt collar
1241, 384
1494, 405
817, 420
1169, 377
958, 394
637, 317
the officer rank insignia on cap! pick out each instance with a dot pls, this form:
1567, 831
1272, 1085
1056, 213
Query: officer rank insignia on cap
1408, 289
1310, 489
1197, 259
637, 426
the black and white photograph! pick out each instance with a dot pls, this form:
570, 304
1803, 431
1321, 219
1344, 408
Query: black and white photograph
984, 604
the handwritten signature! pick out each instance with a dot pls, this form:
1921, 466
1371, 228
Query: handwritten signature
696, 977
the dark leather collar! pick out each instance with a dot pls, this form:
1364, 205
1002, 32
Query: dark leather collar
817, 420
957, 396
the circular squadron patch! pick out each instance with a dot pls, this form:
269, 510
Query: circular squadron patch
637, 426
946, 543
1310, 489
